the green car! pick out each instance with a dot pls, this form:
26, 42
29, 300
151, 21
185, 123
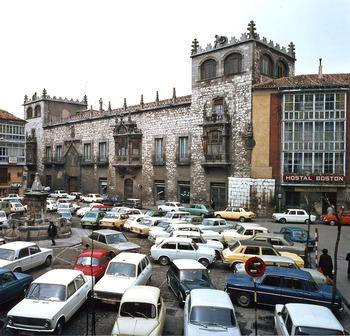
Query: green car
185, 275
92, 218
203, 210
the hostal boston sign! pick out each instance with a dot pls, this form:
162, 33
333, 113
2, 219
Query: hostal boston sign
314, 178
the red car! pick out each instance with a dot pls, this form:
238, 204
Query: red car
332, 220
100, 261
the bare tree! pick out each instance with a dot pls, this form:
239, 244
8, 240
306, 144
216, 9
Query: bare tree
311, 199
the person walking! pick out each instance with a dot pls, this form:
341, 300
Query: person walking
326, 265
348, 259
52, 231
212, 204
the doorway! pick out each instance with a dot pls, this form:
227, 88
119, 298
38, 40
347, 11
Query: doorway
218, 194
128, 188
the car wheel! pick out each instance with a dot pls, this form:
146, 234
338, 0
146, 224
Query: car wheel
164, 261
217, 255
47, 261
244, 300
121, 228
218, 216
87, 246
332, 222
204, 262
307, 221
18, 270
202, 215
283, 220
59, 326
181, 300
160, 209
241, 219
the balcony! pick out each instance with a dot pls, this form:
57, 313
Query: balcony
47, 161
59, 162
127, 165
102, 161
216, 161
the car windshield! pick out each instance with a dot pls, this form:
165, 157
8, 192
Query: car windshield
109, 215
146, 222
65, 214
241, 230
300, 234
194, 275
86, 261
168, 215
170, 229
17, 205
116, 238
138, 309
220, 317
123, 269
149, 213
234, 246
90, 215
316, 331
246, 209
207, 222
2, 214
186, 219
288, 240
50, 292
7, 254
314, 285
163, 225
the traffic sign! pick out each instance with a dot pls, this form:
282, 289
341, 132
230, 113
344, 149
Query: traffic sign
255, 267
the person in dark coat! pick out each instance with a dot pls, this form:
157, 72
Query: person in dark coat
326, 265
212, 204
52, 231
348, 259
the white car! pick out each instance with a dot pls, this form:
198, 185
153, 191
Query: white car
141, 312
65, 207
170, 206
215, 224
305, 319
51, 205
181, 248
293, 216
3, 217
82, 211
176, 215
17, 207
125, 270
90, 198
243, 232
21, 256
132, 219
209, 312
143, 227
59, 194
51, 301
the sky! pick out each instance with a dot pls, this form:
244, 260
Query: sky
114, 49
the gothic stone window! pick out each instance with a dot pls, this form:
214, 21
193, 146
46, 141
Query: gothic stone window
48, 154
214, 145
87, 152
233, 64
266, 65
219, 106
208, 69
37, 111
281, 69
29, 113
136, 147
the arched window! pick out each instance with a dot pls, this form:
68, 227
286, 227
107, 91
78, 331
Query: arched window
233, 64
208, 69
214, 146
281, 70
37, 111
29, 113
266, 65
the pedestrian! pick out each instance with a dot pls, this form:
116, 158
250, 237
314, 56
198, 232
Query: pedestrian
326, 265
52, 231
331, 210
212, 204
348, 259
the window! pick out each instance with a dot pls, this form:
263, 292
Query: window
59, 153
135, 147
252, 250
214, 143
23, 253
122, 146
87, 152
183, 149
79, 281
169, 245
37, 111
208, 69
29, 113
102, 147
271, 280
266, 65
281, 69
159, 154
48, 154
70, 289
219, 106
233, 64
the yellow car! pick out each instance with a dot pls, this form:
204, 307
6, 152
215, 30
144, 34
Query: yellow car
237, 213
113, 220
242, 250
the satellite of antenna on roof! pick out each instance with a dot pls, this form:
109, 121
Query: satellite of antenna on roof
320, 74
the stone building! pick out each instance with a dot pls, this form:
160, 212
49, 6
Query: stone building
190, 149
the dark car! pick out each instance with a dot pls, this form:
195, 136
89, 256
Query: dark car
112, 201
155, 213
13, 284
297, 234
280, 285
185, 275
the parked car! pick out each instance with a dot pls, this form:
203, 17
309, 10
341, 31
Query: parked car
51, 300
170, 206
110, 240
242, 250
215, 224
203, 210
13, 285
280, 285
3, 217
305, 319
143, 227
181, 248
132, 219
112, 201
5, 206
298, 235
92, 219
66, 214
21, 256
344, 217
184, 275
243, 232
156, 230
92, 198
279, 261
236, 213
65, 207
192, 219
209, 312
141, 312
75, 195
51, 205
124, 270
133, 203
130, 211
93, 262
176, 215
82, 211
59, 193
10, 197
113, 220
17, 208
293, 216
155, 213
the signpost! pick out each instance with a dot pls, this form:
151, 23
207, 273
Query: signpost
255, 267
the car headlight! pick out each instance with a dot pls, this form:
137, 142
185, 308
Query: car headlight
10, 320
47, 324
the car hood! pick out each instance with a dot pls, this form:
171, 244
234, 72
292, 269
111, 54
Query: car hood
134, 326
125, 246
114, 284
195, 330
4, 263
239, 280
87, 270
37, 308
189, 285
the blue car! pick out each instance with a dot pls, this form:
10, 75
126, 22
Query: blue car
66, 214
297, 234
13, 285
280, 285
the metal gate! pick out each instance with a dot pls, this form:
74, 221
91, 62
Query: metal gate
218, 194
128, 188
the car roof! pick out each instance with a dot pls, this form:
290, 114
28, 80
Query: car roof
186, 233
268, 234
178, 239
17, 245
58, 276
252, 226
210, 297
286, 271
188, 264
293, 228
95, 253
107, 231
275, 258
246, 242
128, 257
147, 294
181, 225
309, 315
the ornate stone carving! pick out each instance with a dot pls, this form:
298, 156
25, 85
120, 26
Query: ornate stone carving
220, 41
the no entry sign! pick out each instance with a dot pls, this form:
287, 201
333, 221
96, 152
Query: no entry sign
255, 267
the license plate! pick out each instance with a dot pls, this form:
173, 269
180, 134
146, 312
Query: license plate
108, 302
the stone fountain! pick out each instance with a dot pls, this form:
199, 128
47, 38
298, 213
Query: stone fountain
34, 226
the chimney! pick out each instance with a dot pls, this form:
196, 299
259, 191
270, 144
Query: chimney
320, 74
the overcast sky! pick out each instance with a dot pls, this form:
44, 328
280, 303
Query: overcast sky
114, 49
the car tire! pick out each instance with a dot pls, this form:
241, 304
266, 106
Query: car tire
160, 209
332, 222
59, 326
217, 255
307, 221
241, 219
181, 300
244, 300
47, 261
204, 262
202, 215
218, 216
121, 228
18, 270
87, 246
283, 221
164, 261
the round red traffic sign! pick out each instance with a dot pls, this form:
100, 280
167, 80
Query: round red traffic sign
255, 267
